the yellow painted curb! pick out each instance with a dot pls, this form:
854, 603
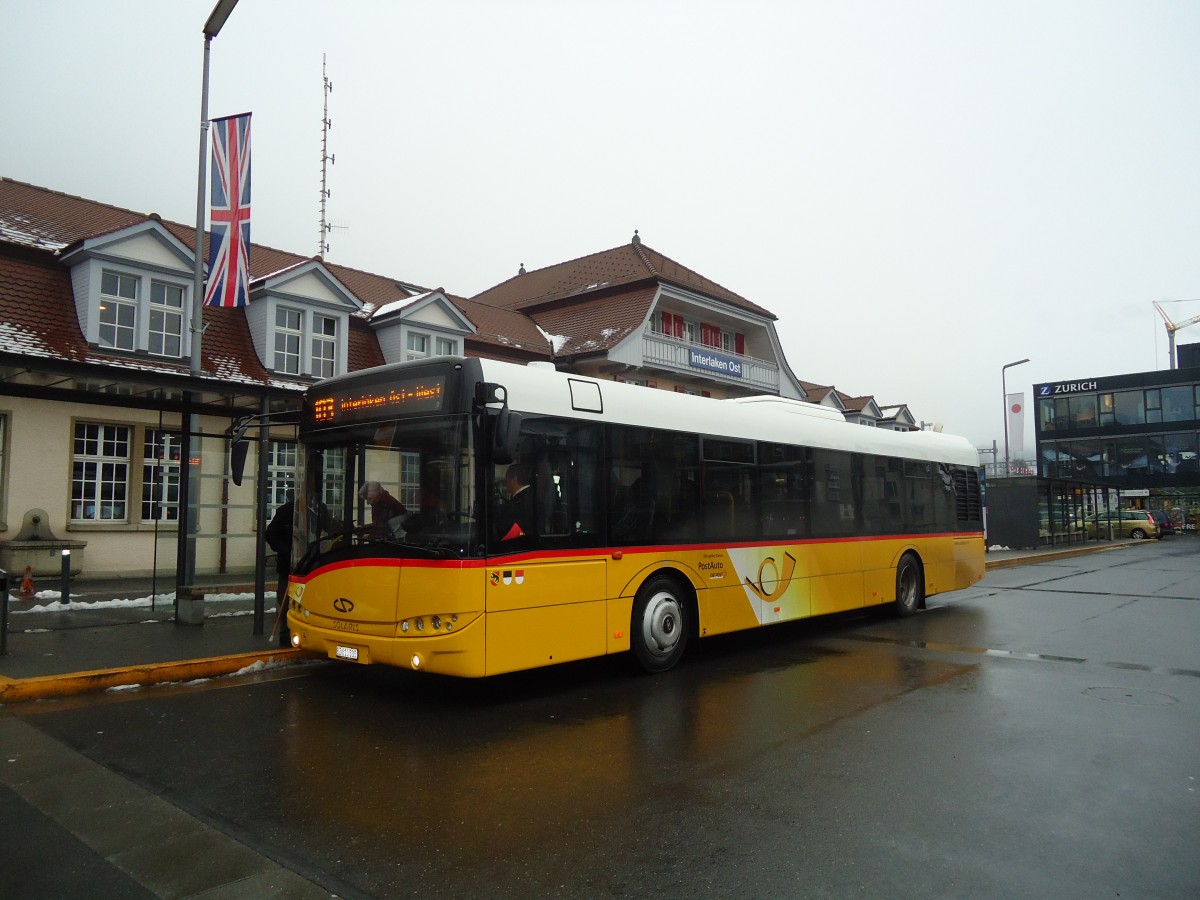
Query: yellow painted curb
1050, 556
44, 687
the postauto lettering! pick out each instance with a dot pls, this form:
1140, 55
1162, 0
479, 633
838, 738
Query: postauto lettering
1070, 387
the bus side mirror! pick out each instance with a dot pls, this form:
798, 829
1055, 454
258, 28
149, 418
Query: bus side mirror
237, 460
506, 432
238, 448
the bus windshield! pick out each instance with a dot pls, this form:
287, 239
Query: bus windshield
401, 488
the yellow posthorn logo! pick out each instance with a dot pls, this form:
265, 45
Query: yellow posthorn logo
770, 584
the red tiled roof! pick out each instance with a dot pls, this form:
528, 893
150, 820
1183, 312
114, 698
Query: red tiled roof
37, 313
627, 265
596, 325
52, 220
37, 309
580, 307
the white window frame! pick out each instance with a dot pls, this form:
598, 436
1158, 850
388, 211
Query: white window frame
324, 345
169, 328
411, 352
100, 464
123, 335
288, 340
282, 457
161, 452
3, 468
305, 340
444, 346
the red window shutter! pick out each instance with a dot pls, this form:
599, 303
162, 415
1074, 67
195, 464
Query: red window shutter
679, 389
739, 343
678, 326
665, 319
705, 393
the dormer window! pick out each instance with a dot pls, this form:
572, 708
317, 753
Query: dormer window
306, 342
166, 318
288, 340
126, 323
118, 311
418, 346
324, 346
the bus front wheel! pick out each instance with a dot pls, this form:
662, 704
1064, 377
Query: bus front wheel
659, 629
910, 586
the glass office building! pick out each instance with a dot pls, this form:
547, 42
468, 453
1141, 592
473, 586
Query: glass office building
1136, 433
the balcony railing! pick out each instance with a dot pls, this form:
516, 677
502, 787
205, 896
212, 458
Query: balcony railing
676, 355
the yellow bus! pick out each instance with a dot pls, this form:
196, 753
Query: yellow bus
471, 517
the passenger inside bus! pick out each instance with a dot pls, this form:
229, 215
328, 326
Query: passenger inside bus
386, 511
517, 515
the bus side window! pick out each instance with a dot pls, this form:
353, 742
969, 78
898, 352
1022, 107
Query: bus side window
783, 491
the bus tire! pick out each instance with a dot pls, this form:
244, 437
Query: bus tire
910, 587
659, 627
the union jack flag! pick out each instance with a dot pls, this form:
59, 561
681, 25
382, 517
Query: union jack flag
229, 237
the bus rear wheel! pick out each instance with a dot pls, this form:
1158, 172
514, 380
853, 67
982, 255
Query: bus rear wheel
659, 628
910, 587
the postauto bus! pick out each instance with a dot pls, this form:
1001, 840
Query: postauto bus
652, 519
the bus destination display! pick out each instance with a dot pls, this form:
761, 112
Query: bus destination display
360, 404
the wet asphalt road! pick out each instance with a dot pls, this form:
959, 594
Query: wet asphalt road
1037, 735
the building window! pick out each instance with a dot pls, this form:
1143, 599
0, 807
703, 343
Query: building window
288, 337
118, 311
445, 346
324, 346
100, 473
160, 476
1130, 407
281, 474
3, 469
333, 478
166, 319
1177, 405
1153, 405
410, 479
417, 345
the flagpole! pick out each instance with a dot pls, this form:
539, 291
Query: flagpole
187, 609
1004, 389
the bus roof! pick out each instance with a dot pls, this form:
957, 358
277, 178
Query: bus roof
540, 389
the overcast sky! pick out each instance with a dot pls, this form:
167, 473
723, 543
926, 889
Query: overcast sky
920, 191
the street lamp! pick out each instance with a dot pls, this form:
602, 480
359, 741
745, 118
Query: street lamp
188, 609
1004, 390
211, 29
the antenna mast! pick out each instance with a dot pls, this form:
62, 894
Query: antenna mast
327, 160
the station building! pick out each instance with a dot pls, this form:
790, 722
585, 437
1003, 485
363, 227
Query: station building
99, 377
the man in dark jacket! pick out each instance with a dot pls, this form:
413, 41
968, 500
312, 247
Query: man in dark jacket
279, 538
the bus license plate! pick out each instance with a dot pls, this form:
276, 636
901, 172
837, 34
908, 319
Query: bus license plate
350, 653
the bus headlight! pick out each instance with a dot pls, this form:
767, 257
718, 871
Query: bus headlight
416, 661
436, 622
404, 626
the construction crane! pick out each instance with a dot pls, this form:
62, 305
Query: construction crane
1173, 327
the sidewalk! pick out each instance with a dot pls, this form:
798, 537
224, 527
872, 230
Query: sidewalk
117, 632
97, 644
